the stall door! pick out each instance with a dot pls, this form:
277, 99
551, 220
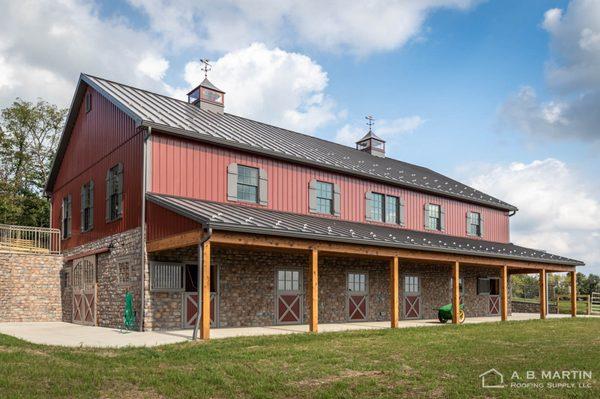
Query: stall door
190, 297
412, 297
494, 298
357, 296
289, 296
84, 290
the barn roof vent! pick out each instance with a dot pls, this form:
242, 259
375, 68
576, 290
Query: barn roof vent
371, 143
207, 95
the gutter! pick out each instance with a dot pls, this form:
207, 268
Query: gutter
207, 233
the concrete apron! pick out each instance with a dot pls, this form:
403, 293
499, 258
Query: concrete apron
74, 335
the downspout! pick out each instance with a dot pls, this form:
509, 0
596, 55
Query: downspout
143, 223
206, 234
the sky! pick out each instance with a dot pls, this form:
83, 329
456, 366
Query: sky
500, 94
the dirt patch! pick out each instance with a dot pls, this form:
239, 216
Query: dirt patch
123, 390
334, 378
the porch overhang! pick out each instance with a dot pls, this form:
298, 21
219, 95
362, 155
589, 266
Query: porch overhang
260, 228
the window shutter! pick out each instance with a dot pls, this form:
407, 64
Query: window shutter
312, 196
337, 199
232, 179
263, 191
480, 225
91, 200
120, 191
81, 210
401, 213
442, 219
108, 191
425, 215
69, 214
369, 206
468, 222
62, 218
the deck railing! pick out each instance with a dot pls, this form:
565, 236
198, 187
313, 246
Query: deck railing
25, 239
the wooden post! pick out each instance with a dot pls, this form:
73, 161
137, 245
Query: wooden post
313, 274
205, 317
455, 292
574, 294
504, 293
542, 294
394, 292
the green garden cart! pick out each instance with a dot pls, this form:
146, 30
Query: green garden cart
445, 313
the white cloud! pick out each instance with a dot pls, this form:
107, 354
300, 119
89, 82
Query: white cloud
573, 74
359, 27
44, 45
153, 66
558, 212
271, 85
388, 130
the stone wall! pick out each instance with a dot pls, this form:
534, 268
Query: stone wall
246, 291
531, 307
125, 248
30, 287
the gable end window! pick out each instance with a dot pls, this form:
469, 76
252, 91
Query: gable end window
87, 206
474, 224
66, 217
247, 184
434, 217
88, 102
114, 193
324, 197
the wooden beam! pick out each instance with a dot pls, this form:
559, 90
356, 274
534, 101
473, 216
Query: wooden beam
504, 293
574, 294
205, 317
455, 292
542, 294
313, 275
394, 292
269, 242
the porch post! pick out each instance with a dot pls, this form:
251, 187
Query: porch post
455, 292
574, 293
313, 274
542, 294
394, 292
504, 293
205, 317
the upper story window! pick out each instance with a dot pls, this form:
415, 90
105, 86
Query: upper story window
114, 193
474, 225
377, 208
88, 102
434, 217
384, 208
247, 184
324, 197
66, 217
87, 206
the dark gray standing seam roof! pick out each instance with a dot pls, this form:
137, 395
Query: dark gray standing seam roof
253, 220
178, 117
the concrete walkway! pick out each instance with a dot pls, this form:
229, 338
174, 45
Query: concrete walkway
73, 335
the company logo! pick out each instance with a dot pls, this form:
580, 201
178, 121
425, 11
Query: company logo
492, 379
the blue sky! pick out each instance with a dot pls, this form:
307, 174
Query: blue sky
499, 94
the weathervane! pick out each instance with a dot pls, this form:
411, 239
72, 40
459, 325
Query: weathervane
370, 121
207, 67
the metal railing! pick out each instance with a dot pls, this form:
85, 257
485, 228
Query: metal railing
25, 239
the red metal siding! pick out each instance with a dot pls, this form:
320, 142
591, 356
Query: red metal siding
163, 223
197, 170
100, 139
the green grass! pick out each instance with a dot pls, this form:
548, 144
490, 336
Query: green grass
414, 362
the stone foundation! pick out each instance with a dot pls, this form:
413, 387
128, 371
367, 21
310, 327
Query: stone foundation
30, 287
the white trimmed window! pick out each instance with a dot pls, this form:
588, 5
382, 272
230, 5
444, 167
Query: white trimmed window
434, 217
166, 276
411, 285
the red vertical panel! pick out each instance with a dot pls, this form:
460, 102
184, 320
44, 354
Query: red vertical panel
288, 186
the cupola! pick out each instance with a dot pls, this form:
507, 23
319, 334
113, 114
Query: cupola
371, 143
206, 95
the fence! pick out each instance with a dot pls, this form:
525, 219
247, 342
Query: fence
584, 304
595, 303
41, 240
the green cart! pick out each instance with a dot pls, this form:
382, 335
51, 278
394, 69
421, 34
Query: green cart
445, 313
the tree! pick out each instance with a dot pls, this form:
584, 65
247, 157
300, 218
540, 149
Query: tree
29, 134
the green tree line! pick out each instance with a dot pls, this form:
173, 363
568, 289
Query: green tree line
527, 285
29, 135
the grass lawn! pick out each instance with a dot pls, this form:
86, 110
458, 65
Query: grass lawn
414, 362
